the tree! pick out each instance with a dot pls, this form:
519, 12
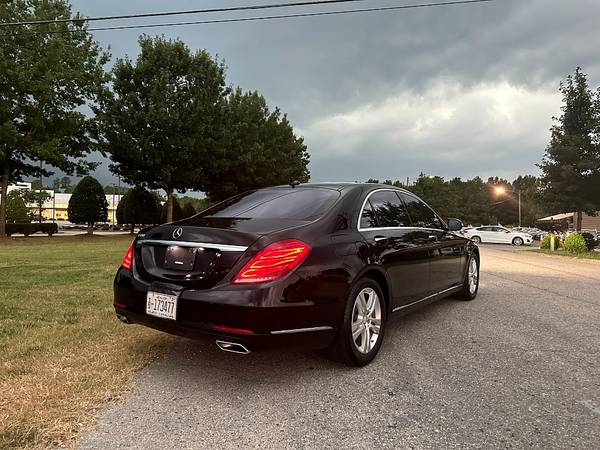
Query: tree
259, 150
88, 204
571, 164
47, 74
36, 197
138, 206
163, 120
188, 210
177, 213
16, 210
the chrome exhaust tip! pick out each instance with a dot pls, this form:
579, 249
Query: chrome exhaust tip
232, 347
123, 318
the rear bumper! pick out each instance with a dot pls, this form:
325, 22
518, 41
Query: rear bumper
273, 321
308, 338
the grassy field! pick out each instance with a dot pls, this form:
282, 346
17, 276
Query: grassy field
62, 351
587, 255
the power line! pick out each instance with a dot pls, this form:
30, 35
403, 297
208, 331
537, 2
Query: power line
178, 13
273, 17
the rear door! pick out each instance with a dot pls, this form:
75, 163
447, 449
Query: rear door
403, 251
486, 234
446, 249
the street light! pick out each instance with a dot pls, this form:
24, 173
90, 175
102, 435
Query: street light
501, 190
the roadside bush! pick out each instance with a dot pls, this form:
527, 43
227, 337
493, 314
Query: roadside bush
575, 243
590, 241
545, 244
30, 228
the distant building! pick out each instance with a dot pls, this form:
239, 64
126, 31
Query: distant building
570, 220
55, 208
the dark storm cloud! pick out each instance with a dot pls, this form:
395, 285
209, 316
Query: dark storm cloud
494, 66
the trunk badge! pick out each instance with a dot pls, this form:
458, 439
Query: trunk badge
177, 233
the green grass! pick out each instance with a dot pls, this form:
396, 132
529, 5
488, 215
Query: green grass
62, 352
586, 255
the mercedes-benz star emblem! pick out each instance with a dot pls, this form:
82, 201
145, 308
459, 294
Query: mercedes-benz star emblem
177, 233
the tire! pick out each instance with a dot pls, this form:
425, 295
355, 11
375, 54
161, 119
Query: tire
469, 291
476, 239
517, 241
360, 351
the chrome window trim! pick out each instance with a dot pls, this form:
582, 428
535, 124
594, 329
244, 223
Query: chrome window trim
302, 330
398, 308
221, 247
393, 228
363, 207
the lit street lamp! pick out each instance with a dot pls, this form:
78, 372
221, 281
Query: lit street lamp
501, 190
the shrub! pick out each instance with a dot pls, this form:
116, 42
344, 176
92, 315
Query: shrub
575, 243
546, 242
590, 241
30, 228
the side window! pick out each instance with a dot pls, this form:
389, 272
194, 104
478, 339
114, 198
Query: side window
367, 217
485, 229
389, 209
421, 214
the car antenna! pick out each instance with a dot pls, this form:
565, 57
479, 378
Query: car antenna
294, 183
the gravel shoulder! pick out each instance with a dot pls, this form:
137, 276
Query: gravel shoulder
518, 367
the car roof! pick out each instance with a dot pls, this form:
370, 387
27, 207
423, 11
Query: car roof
342, 185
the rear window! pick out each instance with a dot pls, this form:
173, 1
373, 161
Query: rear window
297, 204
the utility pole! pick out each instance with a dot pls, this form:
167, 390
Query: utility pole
519, 193
40, 191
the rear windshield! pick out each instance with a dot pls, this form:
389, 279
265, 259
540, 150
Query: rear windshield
297, 204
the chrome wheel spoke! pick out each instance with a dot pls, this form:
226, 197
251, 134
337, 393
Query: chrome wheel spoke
366, 344
357, 330
366, 320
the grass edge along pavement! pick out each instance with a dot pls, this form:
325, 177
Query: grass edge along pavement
62, 352
589, 256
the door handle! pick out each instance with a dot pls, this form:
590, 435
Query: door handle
380, 238
432, 237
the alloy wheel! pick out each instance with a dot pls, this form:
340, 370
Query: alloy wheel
366, 320
473, 276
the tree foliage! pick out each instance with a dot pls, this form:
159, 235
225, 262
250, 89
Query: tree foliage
177, 212
259, 149
475, 202
138, 206
571, 165
46, 77
16, 210
188, 210
88, 203
163, 120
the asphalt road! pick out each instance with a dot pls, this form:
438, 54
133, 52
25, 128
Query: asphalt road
518, 367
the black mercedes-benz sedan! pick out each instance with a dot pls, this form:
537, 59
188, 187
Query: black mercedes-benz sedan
309, 265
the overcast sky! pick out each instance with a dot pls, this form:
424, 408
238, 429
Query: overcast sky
452, 91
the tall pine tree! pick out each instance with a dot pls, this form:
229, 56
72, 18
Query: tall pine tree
571, 165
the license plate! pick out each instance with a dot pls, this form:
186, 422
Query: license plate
161, 305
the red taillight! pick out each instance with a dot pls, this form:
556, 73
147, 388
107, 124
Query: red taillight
225, 329
273, 262
128, 258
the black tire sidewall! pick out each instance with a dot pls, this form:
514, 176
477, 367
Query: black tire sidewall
476, 239
358, 358
467, 295
518, 241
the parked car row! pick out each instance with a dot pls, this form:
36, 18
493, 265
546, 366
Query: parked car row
535, 233
496, 234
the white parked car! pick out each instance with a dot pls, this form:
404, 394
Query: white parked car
496, 234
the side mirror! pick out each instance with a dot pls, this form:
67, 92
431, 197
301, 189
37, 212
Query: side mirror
455, 225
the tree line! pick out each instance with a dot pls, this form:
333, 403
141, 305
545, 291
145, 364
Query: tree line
167, 120
476, 201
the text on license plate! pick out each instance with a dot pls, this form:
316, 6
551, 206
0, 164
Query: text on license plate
161, 305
